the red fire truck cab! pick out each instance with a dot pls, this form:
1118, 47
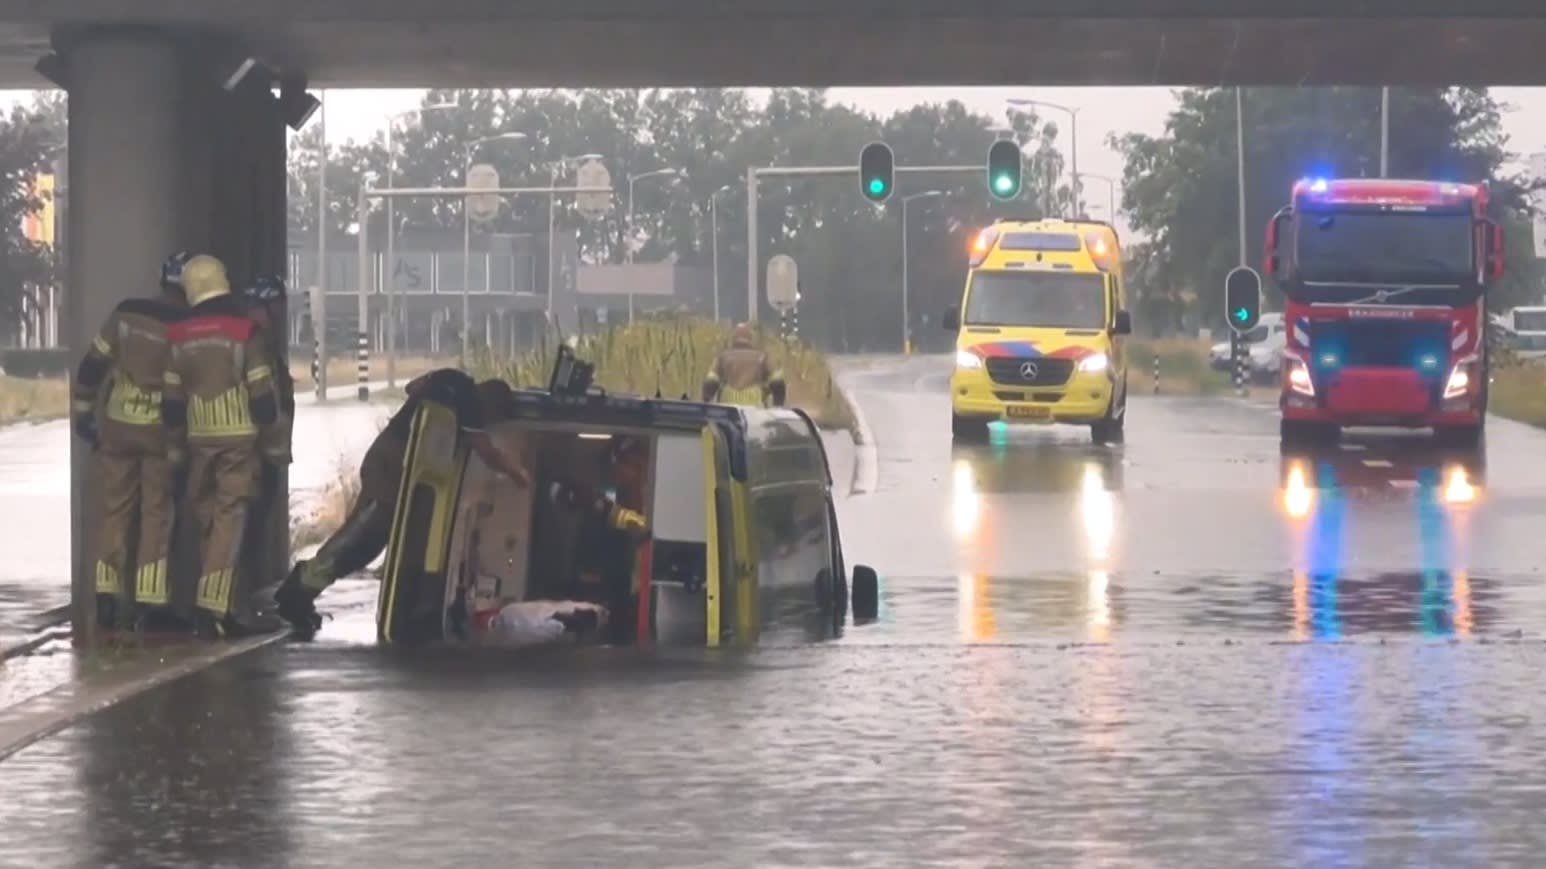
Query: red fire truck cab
1385, 286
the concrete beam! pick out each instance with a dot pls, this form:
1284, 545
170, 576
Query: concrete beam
592, 43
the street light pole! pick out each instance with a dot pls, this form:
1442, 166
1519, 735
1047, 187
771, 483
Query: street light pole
1073, 140
472, 148
714, 242
1240, 163
628, 232
907, 341
558, 164
1111, 193
391, 236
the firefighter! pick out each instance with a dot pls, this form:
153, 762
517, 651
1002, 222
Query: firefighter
128, 357
744, 374
222, 417
363, 534
613, 527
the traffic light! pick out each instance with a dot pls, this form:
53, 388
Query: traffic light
876, 170
1242, 299
1004, 169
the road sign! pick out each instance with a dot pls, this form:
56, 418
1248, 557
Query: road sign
483, 207
1242, 299
593, 205
783, 282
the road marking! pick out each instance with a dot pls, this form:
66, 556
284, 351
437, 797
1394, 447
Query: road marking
1378, 463
43, 716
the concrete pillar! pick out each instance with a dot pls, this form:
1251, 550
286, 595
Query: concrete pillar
160, 159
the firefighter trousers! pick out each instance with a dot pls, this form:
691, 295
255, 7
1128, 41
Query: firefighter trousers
138, 507
223, 484
364, 532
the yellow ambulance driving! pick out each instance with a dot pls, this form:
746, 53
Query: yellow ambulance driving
1041, 330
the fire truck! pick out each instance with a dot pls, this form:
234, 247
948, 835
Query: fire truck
1385, 286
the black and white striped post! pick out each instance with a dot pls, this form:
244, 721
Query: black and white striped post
1156, 374
363, 363
1237, 350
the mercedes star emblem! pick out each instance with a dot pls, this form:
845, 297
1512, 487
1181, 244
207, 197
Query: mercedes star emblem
1028, 370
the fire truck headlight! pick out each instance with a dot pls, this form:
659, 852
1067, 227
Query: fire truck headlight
1459, 382
1299, 376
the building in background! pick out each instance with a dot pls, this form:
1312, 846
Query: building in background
39, 324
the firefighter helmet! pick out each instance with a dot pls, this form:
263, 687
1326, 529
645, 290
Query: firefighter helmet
204, 278
743, 336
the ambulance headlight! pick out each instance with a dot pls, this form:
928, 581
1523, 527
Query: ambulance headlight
1094, 363
966, 360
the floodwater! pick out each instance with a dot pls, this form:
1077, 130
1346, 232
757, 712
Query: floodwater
1187, 650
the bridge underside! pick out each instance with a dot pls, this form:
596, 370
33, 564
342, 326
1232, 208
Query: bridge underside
705, 43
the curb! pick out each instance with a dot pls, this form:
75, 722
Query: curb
866, 472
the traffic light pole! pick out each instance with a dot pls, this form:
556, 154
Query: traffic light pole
754, 175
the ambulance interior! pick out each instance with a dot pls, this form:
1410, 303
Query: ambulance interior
513, 543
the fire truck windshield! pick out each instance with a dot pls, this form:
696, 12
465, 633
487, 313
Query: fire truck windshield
1400, 248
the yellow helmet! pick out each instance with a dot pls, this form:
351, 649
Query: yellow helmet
204, 278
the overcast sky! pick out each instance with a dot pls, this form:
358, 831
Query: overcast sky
358, 114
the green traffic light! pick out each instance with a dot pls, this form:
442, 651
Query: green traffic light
877, 186
1003, 184
1242, 314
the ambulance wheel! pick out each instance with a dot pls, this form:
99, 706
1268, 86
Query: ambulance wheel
1110, 429
965, 428
864, 592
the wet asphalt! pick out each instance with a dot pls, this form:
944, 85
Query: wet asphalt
1185, 650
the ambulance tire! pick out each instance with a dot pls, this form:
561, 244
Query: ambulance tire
968, 429
865, 594
1111, 428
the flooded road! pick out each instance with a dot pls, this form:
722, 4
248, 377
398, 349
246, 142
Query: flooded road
1188, 650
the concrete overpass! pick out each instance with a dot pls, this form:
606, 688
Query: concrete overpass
162, 156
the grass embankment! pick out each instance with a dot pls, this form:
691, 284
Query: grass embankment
328, 513
671, 357
24, 399
345, 371
1183, 367
1518, 392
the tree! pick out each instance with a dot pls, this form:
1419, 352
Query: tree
1180, 188
29, 138
847, 249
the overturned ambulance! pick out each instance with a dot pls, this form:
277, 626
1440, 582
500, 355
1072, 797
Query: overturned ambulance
724, 529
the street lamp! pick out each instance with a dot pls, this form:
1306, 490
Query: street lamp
907, 341
676, 176
1111, 193
558, 164
472, 147
1073, 136
390, 282
714, 241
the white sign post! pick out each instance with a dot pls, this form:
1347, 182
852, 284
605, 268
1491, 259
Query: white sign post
783, 287
783, 283
593, 205
483, 207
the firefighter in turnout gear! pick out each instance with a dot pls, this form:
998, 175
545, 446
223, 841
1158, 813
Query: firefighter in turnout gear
364, 532
126, 361
744, 374
222, 418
